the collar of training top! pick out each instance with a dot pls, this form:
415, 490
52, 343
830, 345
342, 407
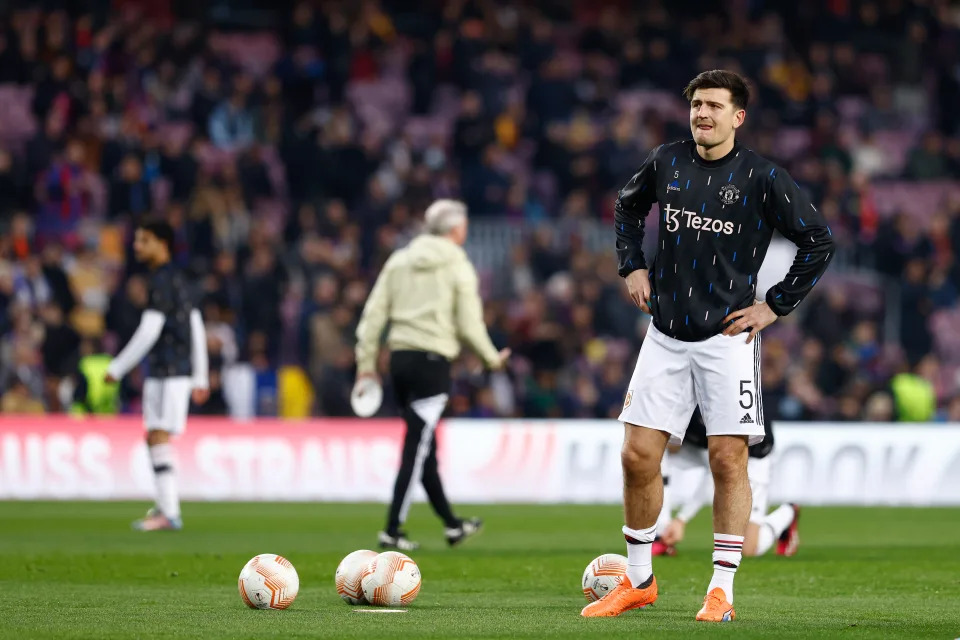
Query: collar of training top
712, 164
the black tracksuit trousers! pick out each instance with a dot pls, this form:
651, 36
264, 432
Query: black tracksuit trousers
421, 382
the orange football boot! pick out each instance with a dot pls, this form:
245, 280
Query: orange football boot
623, 598
716, 608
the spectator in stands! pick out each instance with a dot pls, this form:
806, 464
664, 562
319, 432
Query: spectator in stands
18, 400
879, 408
231, 122
952, 411
927, 160
56, 278
64, 193
59, 351
290, 172
914, 393
125, 307
11, 186
91, 395
130, 194
915, 308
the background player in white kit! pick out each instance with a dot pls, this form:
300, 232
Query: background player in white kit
719, 204
690, 487
171, 331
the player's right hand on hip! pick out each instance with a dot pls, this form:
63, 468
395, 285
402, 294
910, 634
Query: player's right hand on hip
504, 355
638, 286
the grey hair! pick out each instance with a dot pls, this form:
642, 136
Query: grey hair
443, 216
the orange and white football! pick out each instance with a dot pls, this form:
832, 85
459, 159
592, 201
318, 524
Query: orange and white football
268, 581
391, 579
602, 575
350, 572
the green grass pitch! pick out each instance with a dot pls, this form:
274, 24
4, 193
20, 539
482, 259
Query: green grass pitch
76, 570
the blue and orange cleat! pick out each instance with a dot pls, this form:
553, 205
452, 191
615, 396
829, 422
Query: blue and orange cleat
716, 608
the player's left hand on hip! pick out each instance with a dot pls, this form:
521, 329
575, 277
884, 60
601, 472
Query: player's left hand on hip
753, 319
109, 379
200, 396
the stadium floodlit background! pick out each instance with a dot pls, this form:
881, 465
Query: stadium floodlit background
294, 145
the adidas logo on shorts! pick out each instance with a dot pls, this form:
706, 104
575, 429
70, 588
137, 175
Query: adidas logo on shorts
746, 419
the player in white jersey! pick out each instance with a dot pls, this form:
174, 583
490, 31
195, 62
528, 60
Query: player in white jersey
172, 337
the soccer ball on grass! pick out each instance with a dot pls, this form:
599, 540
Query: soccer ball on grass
268, 581
602, 575
391, 579
350, 572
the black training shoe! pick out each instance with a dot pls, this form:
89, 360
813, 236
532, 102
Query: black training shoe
400, 542
467, 528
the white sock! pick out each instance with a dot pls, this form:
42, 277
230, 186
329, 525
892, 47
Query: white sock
765, 537
727, 553
161, 456
663, 520
772, 526
781, 518
639, 558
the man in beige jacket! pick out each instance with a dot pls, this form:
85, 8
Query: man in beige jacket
428, 293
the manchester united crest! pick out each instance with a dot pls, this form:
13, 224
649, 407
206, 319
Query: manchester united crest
729, 194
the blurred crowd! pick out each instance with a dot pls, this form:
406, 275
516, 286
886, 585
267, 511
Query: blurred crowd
294, 147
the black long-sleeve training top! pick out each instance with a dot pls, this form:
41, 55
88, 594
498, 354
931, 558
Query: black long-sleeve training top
716, 221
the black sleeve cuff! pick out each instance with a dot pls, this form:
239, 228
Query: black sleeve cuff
630, 263
774, 304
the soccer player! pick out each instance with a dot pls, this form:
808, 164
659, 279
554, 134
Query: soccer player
763, 530
171, 332
428, 293
719, 204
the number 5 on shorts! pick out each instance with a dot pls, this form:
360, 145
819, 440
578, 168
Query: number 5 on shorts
748, 392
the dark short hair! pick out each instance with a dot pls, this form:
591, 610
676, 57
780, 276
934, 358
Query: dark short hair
161, 229
721, 79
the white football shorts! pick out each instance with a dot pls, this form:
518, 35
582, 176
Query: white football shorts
166, 403
720, 374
